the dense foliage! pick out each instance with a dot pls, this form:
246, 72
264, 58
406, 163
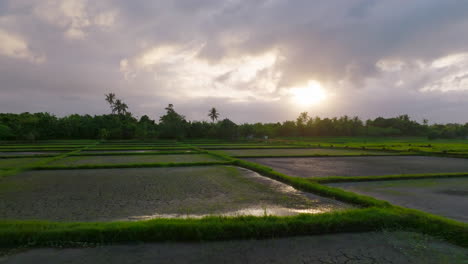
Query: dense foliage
121, 124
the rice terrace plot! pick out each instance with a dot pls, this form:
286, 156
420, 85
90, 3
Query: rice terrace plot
139, 159
136, 194
124, 192
363, 166
446, 197
298, 152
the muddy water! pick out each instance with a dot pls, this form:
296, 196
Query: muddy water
445, 197
363, 166
145, 193
354, 248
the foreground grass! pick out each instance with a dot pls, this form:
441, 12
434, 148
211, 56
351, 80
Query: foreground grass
40, 233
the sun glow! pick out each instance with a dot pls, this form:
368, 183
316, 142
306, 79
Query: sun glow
311, 94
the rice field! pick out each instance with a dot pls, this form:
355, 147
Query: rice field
153, 191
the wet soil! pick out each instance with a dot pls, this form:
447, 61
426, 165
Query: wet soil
357, 248
92, 160
445, 197
363, 166
145, 193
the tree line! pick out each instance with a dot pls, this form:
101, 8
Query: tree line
121, 124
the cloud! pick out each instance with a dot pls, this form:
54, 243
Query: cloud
14, 46
181, 69
376, 57
75, 17
445, 74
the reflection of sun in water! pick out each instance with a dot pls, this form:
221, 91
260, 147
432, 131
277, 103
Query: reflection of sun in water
311, 94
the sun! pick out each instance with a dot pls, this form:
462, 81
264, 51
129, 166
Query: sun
311, 94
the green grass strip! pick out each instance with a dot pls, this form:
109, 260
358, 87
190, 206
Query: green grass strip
138, 148
40, 233
256, 147
27, 156
130, 165
323, 155
135, 153
386, 177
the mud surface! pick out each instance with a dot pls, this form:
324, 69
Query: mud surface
145, 193
92, 160
445, 197
363, 166
359, 248
292, 152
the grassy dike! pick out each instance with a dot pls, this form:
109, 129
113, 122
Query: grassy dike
130, 165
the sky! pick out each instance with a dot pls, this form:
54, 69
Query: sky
254, 61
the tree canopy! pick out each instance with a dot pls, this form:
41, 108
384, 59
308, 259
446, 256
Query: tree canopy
121, 124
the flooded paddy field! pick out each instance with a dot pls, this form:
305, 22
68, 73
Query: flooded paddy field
445, 197
16, 162
298, 152
95, 160
363, 166
351, 248
145, 193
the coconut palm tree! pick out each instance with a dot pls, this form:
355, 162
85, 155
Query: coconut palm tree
120, 107
110, 98
213, 114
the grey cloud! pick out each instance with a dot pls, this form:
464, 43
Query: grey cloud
330, 41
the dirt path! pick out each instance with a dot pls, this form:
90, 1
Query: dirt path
361, 248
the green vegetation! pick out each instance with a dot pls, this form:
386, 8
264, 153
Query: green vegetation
11, 163
121, 124
128, 165
300, 152
126, 152
444, 147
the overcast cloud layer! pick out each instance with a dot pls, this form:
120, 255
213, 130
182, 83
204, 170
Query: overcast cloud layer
372, 57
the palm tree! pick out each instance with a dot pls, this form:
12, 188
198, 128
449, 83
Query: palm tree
110, 98
119, 107
213, 114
